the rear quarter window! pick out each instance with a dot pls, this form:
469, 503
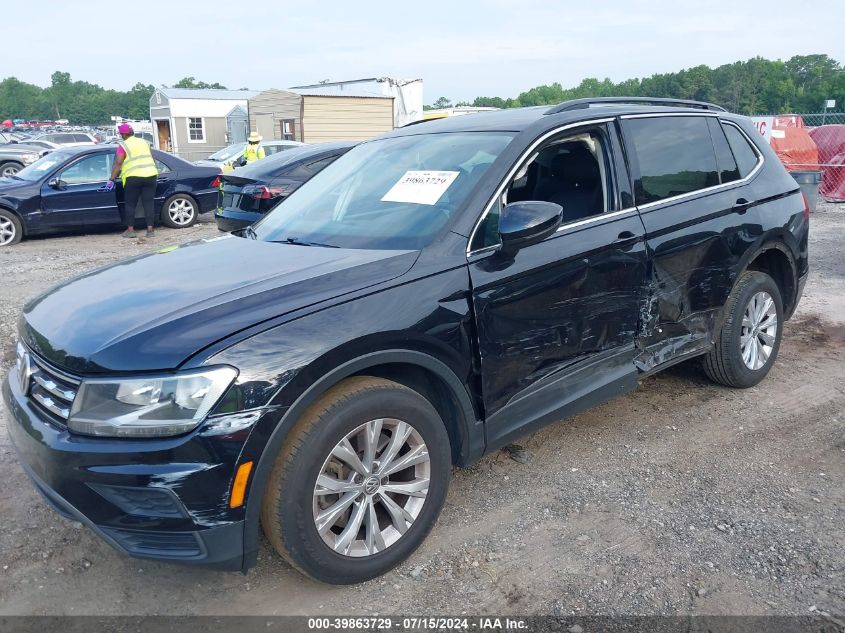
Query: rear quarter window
746, 156
675, 156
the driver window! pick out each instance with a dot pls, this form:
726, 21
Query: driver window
88, 170
572, 171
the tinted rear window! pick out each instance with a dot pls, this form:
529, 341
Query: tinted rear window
675, 156
724, 157
746, 157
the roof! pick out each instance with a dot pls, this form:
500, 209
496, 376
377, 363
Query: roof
519, 119
339, 92
400, 82
209, 93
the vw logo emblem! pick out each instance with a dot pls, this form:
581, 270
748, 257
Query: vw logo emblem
371, 485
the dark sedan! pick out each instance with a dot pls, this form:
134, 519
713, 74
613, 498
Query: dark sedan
66, 191
249, 193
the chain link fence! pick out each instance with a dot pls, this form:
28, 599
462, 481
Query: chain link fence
812, 147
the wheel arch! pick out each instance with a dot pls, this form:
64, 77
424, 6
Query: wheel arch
427, 375
776, 260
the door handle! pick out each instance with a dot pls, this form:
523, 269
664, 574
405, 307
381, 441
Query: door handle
624, 236
104, 189
741, 205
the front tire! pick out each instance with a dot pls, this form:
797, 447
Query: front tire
10, 168
747, 344
11, 231
359, 482
179, 211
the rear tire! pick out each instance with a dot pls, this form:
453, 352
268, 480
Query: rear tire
367, 527
11, 231
747, 344
10, 168
179, 211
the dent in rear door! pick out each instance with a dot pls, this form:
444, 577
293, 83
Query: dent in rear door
695, 238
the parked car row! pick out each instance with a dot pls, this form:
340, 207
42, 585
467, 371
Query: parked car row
425, 299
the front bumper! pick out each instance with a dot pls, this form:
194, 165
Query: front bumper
163, 499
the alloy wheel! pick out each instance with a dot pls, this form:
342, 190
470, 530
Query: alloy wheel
372, 487
181, 211
759, 330
7, 231
9, 170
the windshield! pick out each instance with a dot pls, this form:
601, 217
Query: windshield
39, 168
393, 193
228, 153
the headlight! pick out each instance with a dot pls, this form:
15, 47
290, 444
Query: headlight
152, 406
28, 159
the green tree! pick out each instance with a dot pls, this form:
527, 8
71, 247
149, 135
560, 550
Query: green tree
191, 82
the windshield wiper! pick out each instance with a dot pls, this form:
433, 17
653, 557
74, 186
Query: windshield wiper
297, 242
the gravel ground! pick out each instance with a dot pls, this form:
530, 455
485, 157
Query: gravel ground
680, 498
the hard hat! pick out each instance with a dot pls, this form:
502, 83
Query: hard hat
254, 137
125, 128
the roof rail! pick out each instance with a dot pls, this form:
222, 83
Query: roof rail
579, 104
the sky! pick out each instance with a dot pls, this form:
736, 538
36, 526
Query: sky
461, 49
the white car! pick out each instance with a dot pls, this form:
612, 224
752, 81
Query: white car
65, 139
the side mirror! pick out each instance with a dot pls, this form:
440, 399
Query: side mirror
524, 223
55, 183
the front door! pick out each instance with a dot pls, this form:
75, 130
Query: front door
557, 322
78, 195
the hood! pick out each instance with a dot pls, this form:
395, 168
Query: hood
153, 312
12, 185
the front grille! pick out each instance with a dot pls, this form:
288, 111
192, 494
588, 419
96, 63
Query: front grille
51, 390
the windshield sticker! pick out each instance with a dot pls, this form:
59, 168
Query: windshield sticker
45, 166
420, 187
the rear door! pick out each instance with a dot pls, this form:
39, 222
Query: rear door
79, 196
699, 220
557, 322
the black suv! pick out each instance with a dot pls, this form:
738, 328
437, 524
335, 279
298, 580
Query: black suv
427, 298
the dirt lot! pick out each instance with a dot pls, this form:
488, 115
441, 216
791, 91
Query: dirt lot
680, 498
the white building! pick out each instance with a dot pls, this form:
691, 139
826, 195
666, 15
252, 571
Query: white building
192, 123
407, 94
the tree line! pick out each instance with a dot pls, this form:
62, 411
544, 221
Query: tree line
757, 86
80, 102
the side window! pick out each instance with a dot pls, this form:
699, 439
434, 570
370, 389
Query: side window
728, 171
66, 138
746, 156
572, 171
88, 170
162, 168
319, 165
81, 138
675, 156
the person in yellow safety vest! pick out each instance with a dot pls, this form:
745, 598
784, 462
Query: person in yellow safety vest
253, 151
136, 166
